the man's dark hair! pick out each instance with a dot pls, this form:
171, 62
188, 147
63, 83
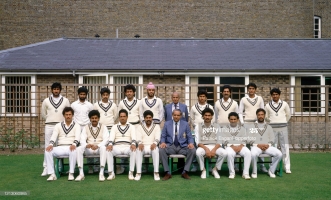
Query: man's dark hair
129, 87
103, 90
123, 111
68, 109
260, 110
275, 90
148, 112
56, 85
251, 85
227, 87
82, 89
202, 92
207, 110
94, 113
233, 114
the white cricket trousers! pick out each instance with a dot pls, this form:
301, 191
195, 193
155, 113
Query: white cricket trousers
271, 151
120, 150
147, 151
48, 134
281, 138
80, 155
60, 151
245, 152
220, 153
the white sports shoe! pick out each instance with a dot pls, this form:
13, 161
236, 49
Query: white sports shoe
44, 172
288, 171
215, 173
272, 175
71, 177
101, 177
246, 177
80, 178
232, 176
156, 176
137, 178
131, 177
52, 177
111, 176
203, 174
254, 175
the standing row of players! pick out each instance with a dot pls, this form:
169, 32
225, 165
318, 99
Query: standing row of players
277, 111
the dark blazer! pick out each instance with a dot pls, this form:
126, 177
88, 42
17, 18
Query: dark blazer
184, 133
168, 111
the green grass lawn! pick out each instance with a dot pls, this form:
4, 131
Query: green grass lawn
310, 179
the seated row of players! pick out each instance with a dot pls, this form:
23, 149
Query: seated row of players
277, 111
176, 138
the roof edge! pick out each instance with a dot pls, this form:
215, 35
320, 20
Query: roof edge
31, 45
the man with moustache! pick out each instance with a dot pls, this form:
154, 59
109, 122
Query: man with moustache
67, 135
152, 103
264, 139
122, 140
82, 107
51, 112
148, 137
209, 146
93, 141
225, 106
176, 138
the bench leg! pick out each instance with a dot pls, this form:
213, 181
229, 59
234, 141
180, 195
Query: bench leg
281, 168
57, 172
114, 165
207, 166
170, 165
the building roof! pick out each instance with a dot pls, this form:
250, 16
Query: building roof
84, 54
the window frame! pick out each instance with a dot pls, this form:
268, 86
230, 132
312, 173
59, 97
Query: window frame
319, 27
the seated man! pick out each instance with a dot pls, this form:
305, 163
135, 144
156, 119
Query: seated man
176, 138
148, 137
264, 139
67, 135
235, 138
93, 141
122, 141
208, 144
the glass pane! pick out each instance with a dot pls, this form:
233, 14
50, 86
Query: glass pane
210, 90
316, 20
237, 92
316, 27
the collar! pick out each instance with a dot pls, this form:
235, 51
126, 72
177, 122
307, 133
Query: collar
203, 104
176, 122
260, 123
279, 101
247, 95
81, 102
56, 97
134, 98
119, 123
146, 97
150, 125
98, 126
229, 99
69, 124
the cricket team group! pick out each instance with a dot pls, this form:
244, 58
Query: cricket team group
136, 128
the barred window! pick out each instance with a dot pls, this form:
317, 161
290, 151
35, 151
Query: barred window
122, 81
94, 85
317, 27
18, 94
237, 92
308, 94
328, 91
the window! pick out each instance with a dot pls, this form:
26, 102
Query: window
18, 96
328, 91
308, 94
123, 81
237, 92
317, 27
208, 89
94, 85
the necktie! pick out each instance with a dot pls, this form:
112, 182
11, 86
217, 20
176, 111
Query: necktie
175, 106
176, 137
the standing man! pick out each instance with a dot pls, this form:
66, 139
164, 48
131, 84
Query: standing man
225, 106
151, 102
248, 105
196, 114
93, 141
51, 112
278, 113
82, 107
122, 140
106, 108
148, 137
207, 138
235, 138
130, 104
67, 135
264, 139
175, 105
176, 138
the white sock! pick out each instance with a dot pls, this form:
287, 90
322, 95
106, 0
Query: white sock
81, 171
102, 169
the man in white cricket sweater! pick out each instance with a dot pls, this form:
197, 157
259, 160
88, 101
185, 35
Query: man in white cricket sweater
262, 139
153, 103
51, 112
67, 135
209, 146
248, 106
93, 141
132, 105
196, 114
82, 107
122, 141
278, 114
225, 106
234, 137
148, 137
